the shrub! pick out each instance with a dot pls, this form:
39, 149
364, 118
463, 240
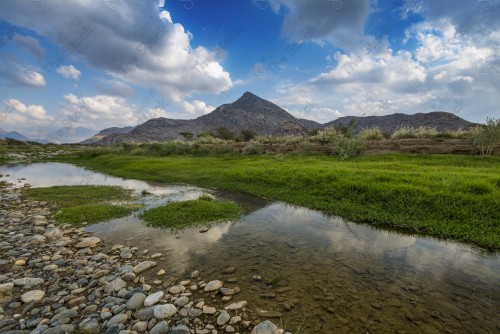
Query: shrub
225, 133
328, 135
485, 138
426, 132
348, 147
253, 148
187, 135
371, 134
270, 140
247, 135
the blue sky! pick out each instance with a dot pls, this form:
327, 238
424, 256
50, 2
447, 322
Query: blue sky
121, 62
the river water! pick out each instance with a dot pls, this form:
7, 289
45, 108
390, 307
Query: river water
323, 273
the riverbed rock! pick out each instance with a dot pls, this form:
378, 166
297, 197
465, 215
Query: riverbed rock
265, 327
88, 242
135, 302
33, 296
28, 281
223, 318
160, 328
236, 306
164, 311
143, 266
213, 286
6, 289
153, 298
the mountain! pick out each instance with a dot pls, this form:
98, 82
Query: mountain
69, 135
106, 132
249, 112
14, 135
262, 117
2, 130
442, 121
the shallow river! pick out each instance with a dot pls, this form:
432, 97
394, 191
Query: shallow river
323, 273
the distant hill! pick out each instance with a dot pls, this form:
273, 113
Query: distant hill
106, 132
249, 112
442, 121
14, 135
69, 135
2, 130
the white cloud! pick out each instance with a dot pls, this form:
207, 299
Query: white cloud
30, 44
447, 71
69, 72
133, 42
196, 108
16, 113
98, 111
21, 75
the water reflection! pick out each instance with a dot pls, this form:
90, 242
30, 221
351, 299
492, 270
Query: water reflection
324, 273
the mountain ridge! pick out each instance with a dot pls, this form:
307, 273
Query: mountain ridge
251, 112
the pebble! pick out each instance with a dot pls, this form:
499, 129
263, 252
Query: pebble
136, 301
223, 318
213, 286
153, 298
164, 311
33, 296
143, 266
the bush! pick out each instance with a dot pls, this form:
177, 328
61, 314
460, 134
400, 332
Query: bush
247, 135
348, 147
253, 148
271, 140
426, 132
485, 138
328, 135
225, 133
371, 134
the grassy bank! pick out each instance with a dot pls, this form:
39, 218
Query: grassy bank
190, 213
448, 195
79, 204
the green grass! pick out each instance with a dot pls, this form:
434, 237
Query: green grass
190, 213
79, 204
452, 196
91, 213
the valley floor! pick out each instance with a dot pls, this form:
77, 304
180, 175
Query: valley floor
452, 196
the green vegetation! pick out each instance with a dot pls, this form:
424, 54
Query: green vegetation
79, 204
190, 213
371, 134
91, 213
34, 150
485, 138
452, 196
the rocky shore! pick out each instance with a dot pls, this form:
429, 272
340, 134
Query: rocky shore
61, 279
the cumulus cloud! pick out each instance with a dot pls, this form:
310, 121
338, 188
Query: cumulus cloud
196, 108
114, 88
133, 41
97, 111
69, 72
454, 67
19, 74
16, 112
29, 44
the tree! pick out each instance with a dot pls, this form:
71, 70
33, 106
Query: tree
247, 135
187, 135
225, 133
